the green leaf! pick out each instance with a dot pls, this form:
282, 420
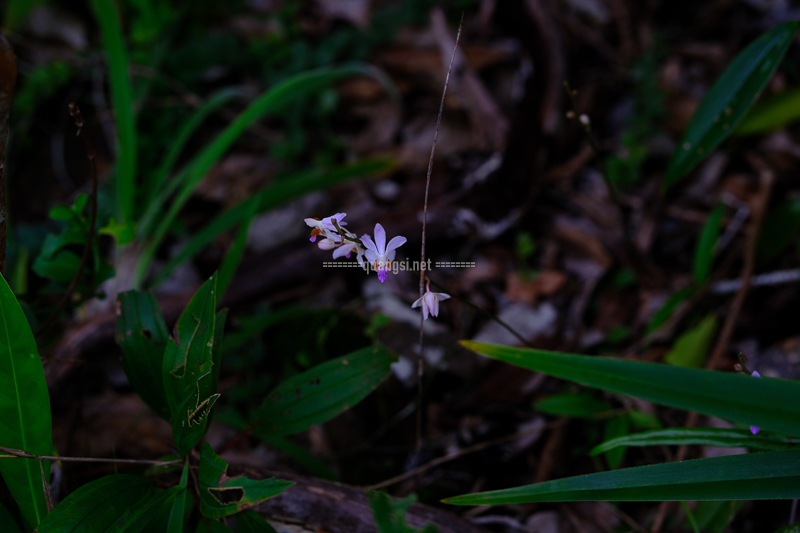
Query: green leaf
779, 230
273, 100
220, 320
119, 502
143, 336
122, 101
691, 348
323, 392
641, 420
25, 422
60, 267
251, 522
791, 528
62, 212
273, 196
770, 404
235, 494
616, 427
706, 244
390, 514
754, 476
295, 451
714, 516
7, 519
122, 233
665, 311
724, 438
177, 511
729, 99
234, 255
581, 405
771, 113
187, 368
213, 527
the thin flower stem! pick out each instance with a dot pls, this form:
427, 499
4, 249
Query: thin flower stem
421, 359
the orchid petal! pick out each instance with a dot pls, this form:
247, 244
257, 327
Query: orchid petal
370, 246
380, 239
395, 243
382, 274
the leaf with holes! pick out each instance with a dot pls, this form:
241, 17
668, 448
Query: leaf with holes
233, 494
187, 368
729, 99
143, 336
25, 422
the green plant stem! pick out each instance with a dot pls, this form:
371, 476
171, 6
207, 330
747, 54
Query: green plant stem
12, 453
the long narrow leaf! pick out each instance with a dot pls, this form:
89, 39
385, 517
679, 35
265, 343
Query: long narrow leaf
754, 476
25, 422
271, 101
706, 244
234, 255
771, 404
122, 101
726, 438
9, 524
176, 146
323, 392
277, 194
728, 100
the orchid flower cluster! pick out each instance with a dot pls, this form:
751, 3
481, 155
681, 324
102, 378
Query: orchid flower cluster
379, 255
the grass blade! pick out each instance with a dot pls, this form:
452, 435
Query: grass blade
704, 254
122, 100
725, 438
271, 101
729, 99
754, 476
768, 403
158, 193
25, 422
276, 195
234, 255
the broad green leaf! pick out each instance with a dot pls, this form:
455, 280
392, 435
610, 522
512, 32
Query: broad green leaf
691, 348
791, 528
271, 197
779, 230
581, 405
295, 451
706, 244
273, 100
724, 438
119, 502
323, 392
615, 427
187, 368
234, 494
25, 422
729, 99
220, 320
771, 114
251, 522
390, 514
714, 516
9, 524
770, 404
62, 266
61, 212
753, 476
143, 336
664, 313
121, 99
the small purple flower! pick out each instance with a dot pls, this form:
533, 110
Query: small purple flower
430, 302
378, 253
755, 429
